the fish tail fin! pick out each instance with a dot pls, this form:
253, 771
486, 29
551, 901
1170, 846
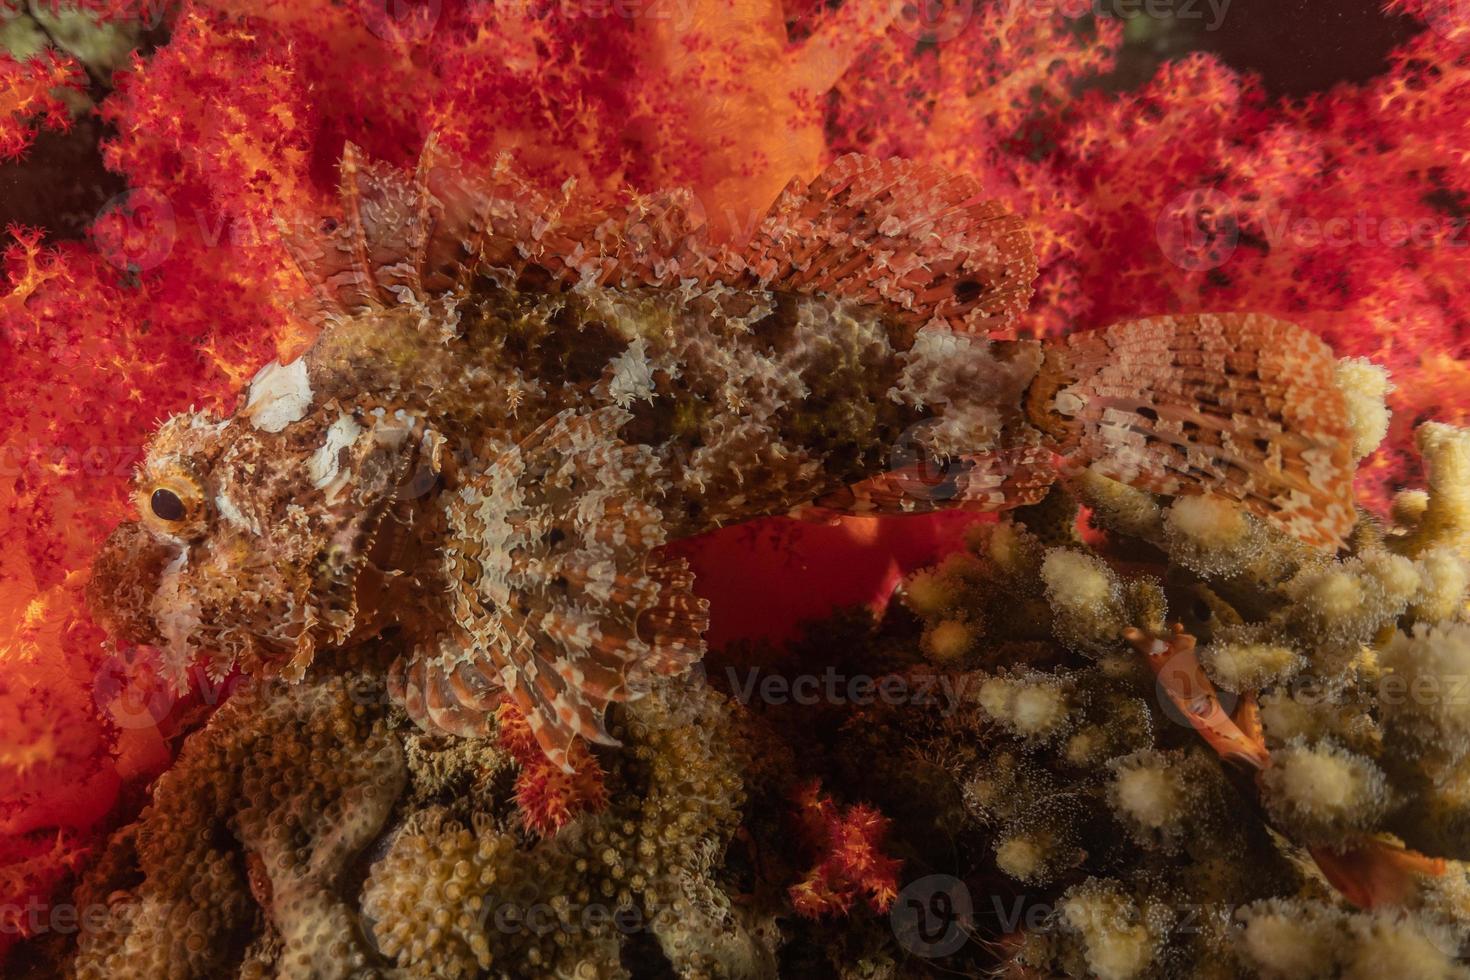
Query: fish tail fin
1239, 405
558, 598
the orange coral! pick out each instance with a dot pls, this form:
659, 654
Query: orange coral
851, 863
548, 797
29, 98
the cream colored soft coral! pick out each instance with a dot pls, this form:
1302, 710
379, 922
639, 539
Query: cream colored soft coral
1151, 794
1427, 689
1247, 665
1026, 703
1365, 386
1290, 940
1212, 535
1117, 941
1445, 520
1322, 793
1086, 600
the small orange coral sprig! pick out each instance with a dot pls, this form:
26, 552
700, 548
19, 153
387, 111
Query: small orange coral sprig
548, 797
852, 861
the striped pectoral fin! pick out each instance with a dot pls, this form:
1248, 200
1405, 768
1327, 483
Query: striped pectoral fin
1239, 405
557, 595
1014, 476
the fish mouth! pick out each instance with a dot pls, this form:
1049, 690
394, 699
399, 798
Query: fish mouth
124, 580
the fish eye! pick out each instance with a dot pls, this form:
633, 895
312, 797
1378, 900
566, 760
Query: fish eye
171, 500
166, 505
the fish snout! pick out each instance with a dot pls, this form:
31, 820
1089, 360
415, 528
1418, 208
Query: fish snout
125, 578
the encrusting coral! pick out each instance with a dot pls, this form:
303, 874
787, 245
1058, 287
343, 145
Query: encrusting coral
311, 831
1274, 786
262, 816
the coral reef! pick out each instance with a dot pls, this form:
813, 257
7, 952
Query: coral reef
310, 831
1196, 188
1272, 787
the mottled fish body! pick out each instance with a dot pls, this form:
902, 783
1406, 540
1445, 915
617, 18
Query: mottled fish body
516, 401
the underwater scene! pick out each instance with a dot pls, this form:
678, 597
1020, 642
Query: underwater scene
650, 489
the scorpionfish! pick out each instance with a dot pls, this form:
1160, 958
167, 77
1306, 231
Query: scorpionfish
516, 399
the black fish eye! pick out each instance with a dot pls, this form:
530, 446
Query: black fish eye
166, 505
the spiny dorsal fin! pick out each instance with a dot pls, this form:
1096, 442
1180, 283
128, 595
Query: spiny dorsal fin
921, 244
1240, 405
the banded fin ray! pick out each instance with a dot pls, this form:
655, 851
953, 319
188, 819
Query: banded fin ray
924, 246
556, 599
1240, 405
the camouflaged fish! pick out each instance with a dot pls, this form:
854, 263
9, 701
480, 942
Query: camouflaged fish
517, 399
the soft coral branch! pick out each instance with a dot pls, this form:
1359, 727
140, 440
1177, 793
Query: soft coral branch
851, 863
547, 796
30, 98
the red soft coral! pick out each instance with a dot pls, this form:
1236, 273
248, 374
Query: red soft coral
851, 863
548, 797
30, 98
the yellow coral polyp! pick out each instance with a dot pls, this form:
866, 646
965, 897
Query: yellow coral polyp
949, 641
1365, 386
1118, 946
1210, 522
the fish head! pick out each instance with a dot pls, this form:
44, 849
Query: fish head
254, 541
